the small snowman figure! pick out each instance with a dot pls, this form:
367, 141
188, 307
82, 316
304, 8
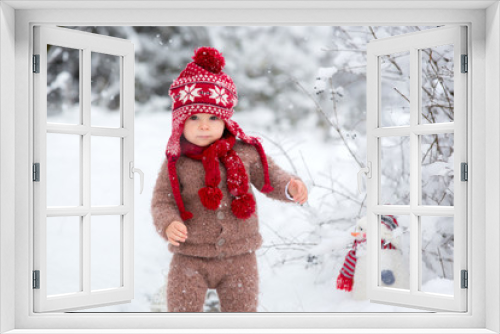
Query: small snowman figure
353, 274
394, 270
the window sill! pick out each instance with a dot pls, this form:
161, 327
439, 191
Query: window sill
248, 331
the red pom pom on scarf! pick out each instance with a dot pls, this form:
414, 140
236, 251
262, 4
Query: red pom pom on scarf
210, 59
210, 197
243, 207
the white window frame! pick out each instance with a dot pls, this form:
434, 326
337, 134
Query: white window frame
414, 210
87, 44
16, 22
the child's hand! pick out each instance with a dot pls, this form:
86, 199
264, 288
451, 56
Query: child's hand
298, 191
176, 232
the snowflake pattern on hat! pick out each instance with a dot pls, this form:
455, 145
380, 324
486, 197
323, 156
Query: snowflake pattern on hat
219, 95
189, 93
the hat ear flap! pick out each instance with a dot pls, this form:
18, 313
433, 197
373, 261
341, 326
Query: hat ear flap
174, 182
235, 129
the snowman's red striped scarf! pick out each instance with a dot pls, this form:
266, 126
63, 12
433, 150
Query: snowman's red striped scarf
345, 279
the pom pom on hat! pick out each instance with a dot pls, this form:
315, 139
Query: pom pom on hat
210, 59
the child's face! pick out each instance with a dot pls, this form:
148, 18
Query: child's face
203, 129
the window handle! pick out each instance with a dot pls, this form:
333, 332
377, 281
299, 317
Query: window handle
366, 170
136, 170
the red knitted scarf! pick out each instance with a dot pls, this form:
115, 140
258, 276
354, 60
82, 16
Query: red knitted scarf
243, 204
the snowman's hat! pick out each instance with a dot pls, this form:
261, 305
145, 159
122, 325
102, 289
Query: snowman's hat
389, 221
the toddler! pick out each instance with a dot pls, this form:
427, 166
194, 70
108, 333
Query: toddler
202, 203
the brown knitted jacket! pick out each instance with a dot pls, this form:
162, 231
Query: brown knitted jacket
214, 233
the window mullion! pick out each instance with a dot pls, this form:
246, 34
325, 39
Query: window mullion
81, 211
414, 170
434, 129
86, 166
127, 183
82, 130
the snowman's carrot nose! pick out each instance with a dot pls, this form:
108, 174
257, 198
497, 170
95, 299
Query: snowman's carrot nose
355, 234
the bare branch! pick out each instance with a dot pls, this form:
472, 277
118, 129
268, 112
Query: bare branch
404, 96
285, 153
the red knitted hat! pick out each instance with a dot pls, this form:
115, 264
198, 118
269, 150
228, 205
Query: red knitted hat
202, 87
389, 221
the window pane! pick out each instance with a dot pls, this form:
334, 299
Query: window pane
437, 169
437, 84
105, 106
395, 171
63, 255
105, 171
63, 85
395, 89
394, 252
437, 254
63, 170
105, 245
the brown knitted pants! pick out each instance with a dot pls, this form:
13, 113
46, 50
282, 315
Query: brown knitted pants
235, 278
